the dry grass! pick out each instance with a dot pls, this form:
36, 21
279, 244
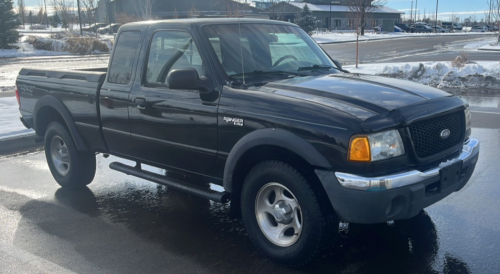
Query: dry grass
461, 60
75, 45
85, 45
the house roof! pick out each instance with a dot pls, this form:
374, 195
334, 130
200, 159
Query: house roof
337, 8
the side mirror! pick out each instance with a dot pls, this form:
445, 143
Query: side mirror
188, 78
338, 64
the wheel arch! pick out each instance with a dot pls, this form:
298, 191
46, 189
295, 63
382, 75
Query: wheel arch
49, 109
270, 144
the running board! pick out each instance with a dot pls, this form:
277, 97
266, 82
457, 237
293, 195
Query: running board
200, 191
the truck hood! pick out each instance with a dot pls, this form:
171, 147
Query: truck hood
372, 93
379, 102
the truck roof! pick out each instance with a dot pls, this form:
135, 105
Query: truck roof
202, 21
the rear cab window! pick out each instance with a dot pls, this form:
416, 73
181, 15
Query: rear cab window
120, 70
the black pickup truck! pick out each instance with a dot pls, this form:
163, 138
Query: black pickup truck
257, 107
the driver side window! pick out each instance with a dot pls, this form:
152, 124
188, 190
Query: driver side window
290, 46
171, 50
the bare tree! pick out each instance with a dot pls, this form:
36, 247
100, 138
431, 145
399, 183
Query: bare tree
176, 14
494, 11
64, 8
21, 10
89, 8
144, 9
193, 12
361, 11
124, 18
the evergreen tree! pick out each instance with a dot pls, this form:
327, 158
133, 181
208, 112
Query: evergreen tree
8, 25
306, 20
55, 20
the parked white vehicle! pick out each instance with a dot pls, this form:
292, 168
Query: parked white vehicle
479, 29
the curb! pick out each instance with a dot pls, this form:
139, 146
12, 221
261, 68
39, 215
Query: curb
489, 49
19, 143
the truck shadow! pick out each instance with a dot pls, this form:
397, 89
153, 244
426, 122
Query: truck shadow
162, 225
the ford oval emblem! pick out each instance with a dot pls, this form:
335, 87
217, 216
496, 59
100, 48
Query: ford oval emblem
445, 134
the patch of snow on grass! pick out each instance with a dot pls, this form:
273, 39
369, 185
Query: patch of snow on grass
438, 74
492, 46
480, 44
10, 125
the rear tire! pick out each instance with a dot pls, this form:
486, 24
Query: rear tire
69, 167
282, 215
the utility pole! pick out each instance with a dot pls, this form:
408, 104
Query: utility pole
437, 6
46, 14
79, 17
330, 23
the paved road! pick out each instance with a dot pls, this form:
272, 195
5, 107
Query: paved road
439, 48
125, 225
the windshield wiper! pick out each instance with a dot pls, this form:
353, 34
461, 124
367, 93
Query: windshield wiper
258, 76
315, 68
266, 73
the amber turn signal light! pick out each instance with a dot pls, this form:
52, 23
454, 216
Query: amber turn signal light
359, 149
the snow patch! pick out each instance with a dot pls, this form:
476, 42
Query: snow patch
438, 74
493, 46
10, 125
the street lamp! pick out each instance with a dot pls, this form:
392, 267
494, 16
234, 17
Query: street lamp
416, 3
411, 13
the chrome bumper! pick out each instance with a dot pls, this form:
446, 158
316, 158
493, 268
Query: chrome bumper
392, 181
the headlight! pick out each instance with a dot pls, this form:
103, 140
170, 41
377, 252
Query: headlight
376, 147
468, 122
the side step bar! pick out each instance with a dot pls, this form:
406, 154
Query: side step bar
201, 191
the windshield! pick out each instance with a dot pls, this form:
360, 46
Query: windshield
257, 51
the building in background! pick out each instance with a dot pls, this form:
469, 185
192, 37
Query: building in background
261, 4
329, 14
169, 9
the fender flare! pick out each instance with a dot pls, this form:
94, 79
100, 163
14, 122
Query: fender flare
274, 137
57, 105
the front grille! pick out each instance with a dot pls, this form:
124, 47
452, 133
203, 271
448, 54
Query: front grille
426, 135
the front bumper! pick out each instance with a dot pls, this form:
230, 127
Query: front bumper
360, 199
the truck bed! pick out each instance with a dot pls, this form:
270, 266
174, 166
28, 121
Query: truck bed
75, 90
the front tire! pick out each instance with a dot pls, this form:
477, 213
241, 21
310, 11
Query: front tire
69, 167
282, 215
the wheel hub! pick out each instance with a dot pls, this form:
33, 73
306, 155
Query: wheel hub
60, 155
278, 214
283, 213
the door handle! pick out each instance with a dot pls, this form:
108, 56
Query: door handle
140, 103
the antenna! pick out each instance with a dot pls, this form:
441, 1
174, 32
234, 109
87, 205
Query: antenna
241, 52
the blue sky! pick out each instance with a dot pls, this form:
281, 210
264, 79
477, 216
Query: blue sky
462, 8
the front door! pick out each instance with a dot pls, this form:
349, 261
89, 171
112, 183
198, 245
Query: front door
173, 128
115, 91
